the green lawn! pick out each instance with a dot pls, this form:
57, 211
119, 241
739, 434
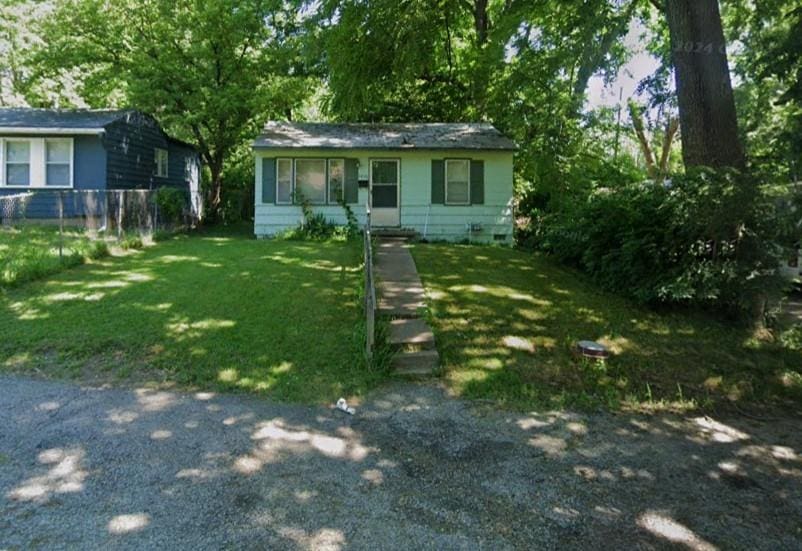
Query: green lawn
212, 312
506, 321
31, 251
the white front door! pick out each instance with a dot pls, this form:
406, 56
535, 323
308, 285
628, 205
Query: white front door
385, 192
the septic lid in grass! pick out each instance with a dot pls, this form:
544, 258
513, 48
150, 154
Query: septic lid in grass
591, 349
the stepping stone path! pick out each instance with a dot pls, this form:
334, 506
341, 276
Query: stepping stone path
401, 297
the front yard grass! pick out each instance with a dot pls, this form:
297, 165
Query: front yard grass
506, 322
210, 312
31, 251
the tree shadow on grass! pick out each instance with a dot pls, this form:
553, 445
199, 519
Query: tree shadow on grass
412, 468
506, 323
211, 312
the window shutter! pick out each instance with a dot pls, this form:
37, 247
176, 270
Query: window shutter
268, 180
438, 182
351, 181
477, 182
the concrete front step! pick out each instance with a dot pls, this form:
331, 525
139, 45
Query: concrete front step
394, 233
418, 364
411, 334
406, 311
400, 300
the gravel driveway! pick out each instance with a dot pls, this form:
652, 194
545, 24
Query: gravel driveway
90, 468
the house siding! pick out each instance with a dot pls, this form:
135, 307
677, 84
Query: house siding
131, 145
433, 221
89, 173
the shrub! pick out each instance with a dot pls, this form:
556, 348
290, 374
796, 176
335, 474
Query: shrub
352, 224
316, 226
171, 202
131, 242
706, 238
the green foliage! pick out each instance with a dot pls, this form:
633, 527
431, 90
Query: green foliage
161, 235
131, 242
32, 252
769, 96
315, 226
210, 70
171, 203
237, 204
707, 239
352, 229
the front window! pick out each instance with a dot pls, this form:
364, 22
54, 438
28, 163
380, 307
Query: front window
336, 180
284, 181
310, 179
18, 163
458, 187
161, 163
57, 163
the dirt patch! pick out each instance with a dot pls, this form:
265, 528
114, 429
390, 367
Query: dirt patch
413, 468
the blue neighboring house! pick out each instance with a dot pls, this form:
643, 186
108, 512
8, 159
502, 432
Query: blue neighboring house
81, 150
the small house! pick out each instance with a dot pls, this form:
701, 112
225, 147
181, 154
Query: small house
82, 152
441, 181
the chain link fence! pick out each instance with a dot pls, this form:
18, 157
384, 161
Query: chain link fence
100, 213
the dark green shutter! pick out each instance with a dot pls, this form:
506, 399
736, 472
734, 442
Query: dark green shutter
268, 180
438, 182
351, 181
477, 182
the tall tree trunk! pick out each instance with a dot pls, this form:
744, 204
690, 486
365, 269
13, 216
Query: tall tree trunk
708, 122
640, 131
668, 138
480, 21
215, 189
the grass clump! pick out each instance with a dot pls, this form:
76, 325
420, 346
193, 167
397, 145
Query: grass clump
32, 252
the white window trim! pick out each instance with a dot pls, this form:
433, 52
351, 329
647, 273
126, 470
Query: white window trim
445, 183
292, 180
325, 178
30, 162
71, 143
37, 162
328, 180
158, 173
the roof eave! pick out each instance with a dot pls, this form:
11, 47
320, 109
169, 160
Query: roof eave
49, 131
384, 148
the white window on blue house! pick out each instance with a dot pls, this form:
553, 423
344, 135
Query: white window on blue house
336, 180
283, 181
58, 163
161, 162
458, 182
36, 162
18, 163
310, 180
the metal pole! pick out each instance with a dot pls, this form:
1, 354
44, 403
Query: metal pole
60, 225
120, 214
370, 296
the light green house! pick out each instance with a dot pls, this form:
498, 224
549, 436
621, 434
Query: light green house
442, 181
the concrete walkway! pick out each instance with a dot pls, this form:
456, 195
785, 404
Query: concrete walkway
401, 298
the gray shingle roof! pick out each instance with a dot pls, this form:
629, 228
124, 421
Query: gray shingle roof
59, 118
382, 136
